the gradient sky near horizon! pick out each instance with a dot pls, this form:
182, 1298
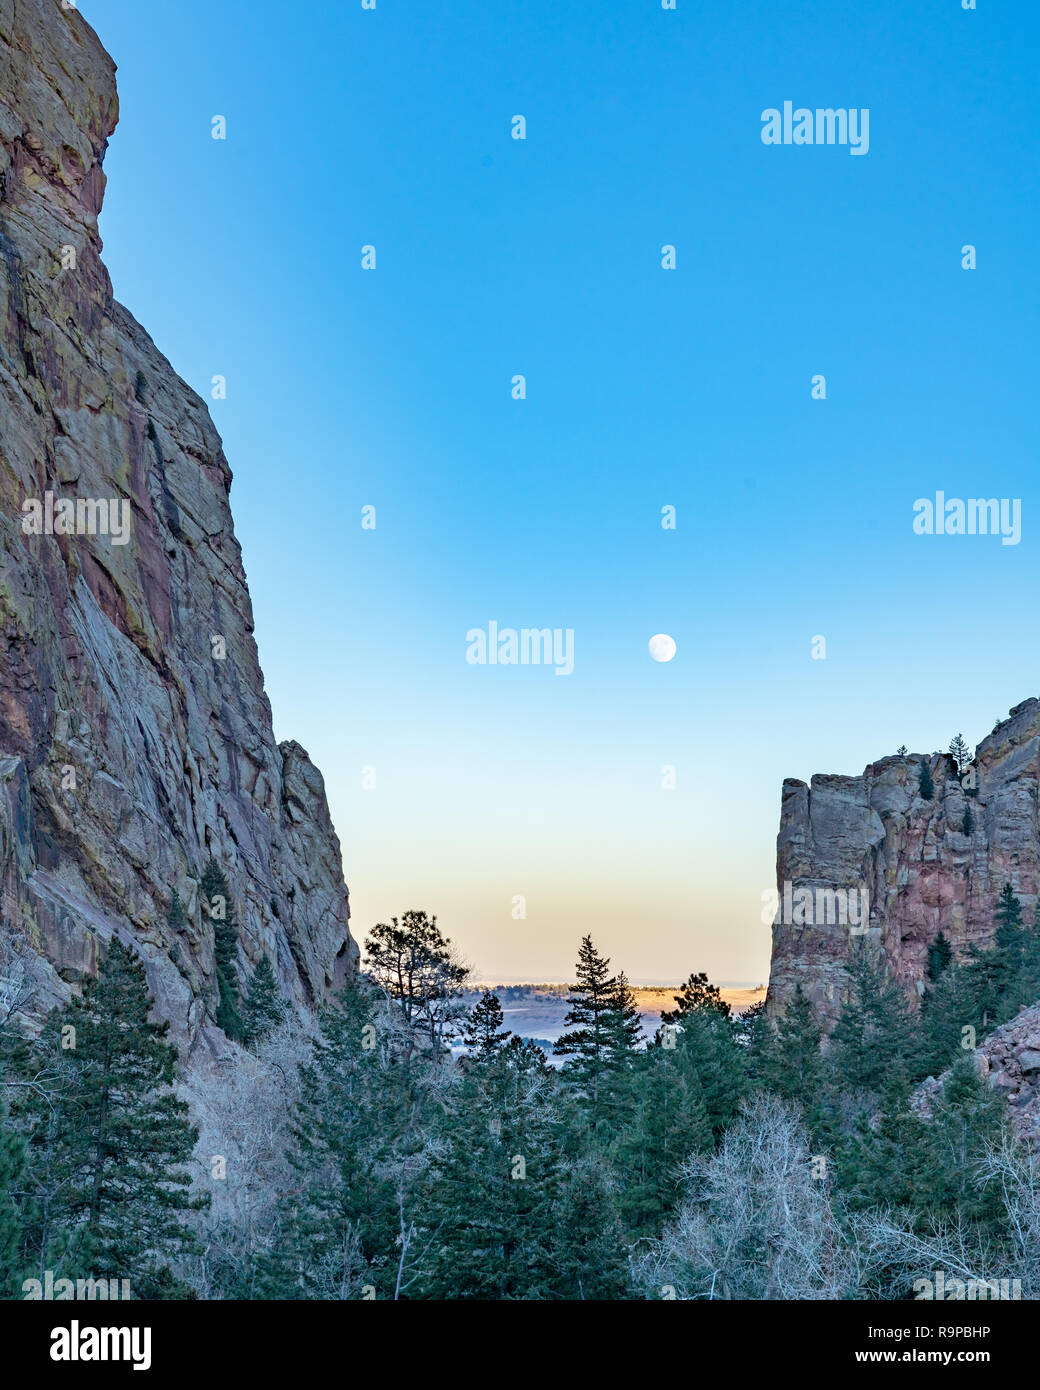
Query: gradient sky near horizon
646, 387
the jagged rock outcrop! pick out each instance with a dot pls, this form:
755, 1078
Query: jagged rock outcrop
133, 744
925, 868
1010, 1060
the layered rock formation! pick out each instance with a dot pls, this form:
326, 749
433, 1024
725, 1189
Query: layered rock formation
925, 868
135, 734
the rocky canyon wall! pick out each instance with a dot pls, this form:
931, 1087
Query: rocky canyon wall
924, 867
130, 749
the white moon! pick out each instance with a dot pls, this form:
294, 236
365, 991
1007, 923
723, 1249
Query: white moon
662, 647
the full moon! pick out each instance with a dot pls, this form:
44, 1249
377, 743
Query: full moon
662, 647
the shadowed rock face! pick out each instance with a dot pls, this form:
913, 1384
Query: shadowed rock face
922, 873
128, 754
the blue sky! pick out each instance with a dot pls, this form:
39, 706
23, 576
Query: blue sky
646, 387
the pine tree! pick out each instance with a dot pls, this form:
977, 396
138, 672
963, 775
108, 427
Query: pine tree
417, 966
362, 1122
886, 1159
177, 917
668, 1122
217, 895
708, 1049
486, 1226
262, 1008
606, 1031
793, 1067
484, 1033
993, 976
967, 1119
696, 993
590, 1253
960, 752
108, 1140
925, 785
12, 1160
952, 1016
940, 954
625, 1025
1001, 967
874, 1032
1028, 990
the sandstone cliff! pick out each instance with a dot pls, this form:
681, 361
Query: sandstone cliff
129, 752
922, 871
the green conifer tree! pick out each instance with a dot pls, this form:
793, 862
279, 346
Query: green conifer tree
12, 1160
697, 993
667, 1123
599, 1046
925, 785
940, 954
486, 1226
590, 1253
108, 1137
960, 752
875, 1030
485, 1035
216, 894
793, 1067
362, 1122
262, 1008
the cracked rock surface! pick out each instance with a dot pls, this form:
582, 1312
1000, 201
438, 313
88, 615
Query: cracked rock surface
128, 754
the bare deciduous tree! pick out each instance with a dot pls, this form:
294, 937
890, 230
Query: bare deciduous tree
756, 1222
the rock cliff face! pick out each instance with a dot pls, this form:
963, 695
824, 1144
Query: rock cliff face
135, 734
925, 868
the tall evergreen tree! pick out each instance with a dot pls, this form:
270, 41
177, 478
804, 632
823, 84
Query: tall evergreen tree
217, 896
12, 1160
999, 968
486, 1227
1028, 991
875, 1030
886, 1158
967, 1120
667, 1122
262, 1008
108, 1140
485, 1035
605, 1030
960, 752
697, 993
362, 1122
792, 1065
590, 1253
709, 1050
940, 955
953, 1016
417, 966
